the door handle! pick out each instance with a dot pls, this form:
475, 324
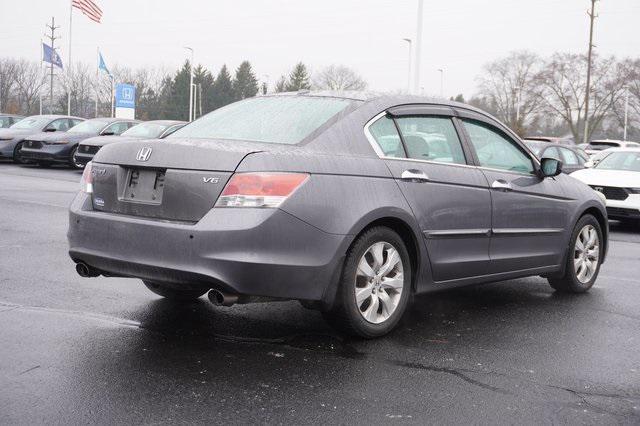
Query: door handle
501, 184
414, 175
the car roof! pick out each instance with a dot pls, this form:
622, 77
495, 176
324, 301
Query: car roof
54, 116
114, 119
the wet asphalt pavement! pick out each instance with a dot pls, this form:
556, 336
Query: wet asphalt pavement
106, 350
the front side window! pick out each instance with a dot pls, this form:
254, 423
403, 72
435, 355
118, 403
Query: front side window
495, 150
268, 119
117, 128
61, 125
552, 152
431, 139
386, 136
570, 158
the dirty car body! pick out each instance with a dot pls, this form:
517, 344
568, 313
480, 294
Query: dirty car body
174, 211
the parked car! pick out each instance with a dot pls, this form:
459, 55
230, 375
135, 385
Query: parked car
7, 120
46, 149
156, 129
573, 158
599, 145
552, 139
598, 156
617, 176
336, 200
11, 139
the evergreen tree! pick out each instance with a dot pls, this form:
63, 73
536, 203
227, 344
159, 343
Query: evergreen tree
222, 89
298, 79
245, 84
203, 80
178, 107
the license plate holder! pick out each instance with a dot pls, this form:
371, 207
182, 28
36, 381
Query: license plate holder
144, 186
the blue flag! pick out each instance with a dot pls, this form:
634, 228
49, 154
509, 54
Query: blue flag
101, 65
51, 56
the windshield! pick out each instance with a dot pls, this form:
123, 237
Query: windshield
628, 161
31, 123
145, 130
89, 126
273, 119
599, 146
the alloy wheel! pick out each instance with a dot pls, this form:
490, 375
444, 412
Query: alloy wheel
586, 254
379, 282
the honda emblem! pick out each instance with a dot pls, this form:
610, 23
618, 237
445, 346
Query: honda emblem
144, 154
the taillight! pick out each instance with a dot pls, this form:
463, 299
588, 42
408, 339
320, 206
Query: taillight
259, 189
87, 179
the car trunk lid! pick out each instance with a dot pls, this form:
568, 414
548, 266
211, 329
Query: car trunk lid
176, 179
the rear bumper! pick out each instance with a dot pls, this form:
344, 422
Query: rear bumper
257, 252
56, 153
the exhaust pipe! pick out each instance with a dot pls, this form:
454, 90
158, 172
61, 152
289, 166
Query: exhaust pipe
219, 298
86, 271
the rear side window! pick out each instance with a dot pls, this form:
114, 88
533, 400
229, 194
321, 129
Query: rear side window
431, 139
495, 150
386, 136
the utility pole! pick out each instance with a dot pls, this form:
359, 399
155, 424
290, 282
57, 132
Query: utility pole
441, 71
52, 39
592, 17
409, 41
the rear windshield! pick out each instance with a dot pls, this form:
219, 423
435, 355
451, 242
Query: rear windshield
273, 119
599, 146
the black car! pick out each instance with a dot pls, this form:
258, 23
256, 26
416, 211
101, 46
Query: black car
11, 139
572, 157
46, 148
7, 120
155, 129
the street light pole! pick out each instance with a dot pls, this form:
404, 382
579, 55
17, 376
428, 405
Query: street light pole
190, 83
416, 76
408, 40
441, 82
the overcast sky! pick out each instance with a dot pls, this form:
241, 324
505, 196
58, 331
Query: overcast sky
459, 35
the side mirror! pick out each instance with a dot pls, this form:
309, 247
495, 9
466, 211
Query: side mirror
550, 167
107, 133
49, 129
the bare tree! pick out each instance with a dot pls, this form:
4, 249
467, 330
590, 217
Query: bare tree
81, 82
28, 81
564, 83
632, 90
338, 77
8, 68
510, 86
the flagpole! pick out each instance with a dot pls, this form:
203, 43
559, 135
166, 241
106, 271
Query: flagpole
96, 82
111, 95
69, 66
41, 76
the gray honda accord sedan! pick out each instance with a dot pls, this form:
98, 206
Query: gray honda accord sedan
350, 203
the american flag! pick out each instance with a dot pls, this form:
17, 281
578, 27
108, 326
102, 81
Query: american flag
89, 8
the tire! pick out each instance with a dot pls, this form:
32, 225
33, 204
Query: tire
17, 157
578, 259
349, 311
174, 294
72, 160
